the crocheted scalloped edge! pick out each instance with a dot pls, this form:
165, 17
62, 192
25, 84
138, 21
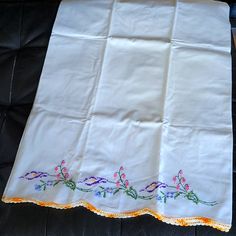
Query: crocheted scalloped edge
184, 221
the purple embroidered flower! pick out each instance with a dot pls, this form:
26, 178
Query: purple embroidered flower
34, 174
93, 180
154, 185
37, 187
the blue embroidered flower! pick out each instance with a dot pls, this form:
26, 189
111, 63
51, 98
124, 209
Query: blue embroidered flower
170, 194
98, 194
159, 198
49, 183
37, 187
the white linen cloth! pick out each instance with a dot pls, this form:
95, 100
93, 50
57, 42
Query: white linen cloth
133, 113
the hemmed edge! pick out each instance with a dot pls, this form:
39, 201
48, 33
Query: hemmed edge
184, 221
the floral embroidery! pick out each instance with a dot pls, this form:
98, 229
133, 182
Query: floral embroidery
102, 187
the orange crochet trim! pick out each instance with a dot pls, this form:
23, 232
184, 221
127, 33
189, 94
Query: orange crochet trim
185, 221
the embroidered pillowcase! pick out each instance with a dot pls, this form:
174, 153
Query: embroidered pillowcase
133, 113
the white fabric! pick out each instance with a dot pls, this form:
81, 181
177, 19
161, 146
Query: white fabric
141, 85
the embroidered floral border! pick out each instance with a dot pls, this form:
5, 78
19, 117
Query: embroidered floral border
103, 187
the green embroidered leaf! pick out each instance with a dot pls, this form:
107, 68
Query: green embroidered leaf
134, 192
165, 199
163, 194
116, 191
129, 193
192, 197
56, 183
146, 197
177, 194
71, 184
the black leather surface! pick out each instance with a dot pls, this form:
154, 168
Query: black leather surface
25, 28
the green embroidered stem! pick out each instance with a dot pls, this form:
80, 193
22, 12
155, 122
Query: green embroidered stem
84, 189
146, 197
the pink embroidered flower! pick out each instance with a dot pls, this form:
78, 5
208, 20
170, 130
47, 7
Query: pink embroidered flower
186, 187
117, 184
121, 168
64, 169
63, 162
180, 172
183, 180
126, 183
56, 168
123, 176
58, 176
66, 175
115, 174
178, 187
174, 179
